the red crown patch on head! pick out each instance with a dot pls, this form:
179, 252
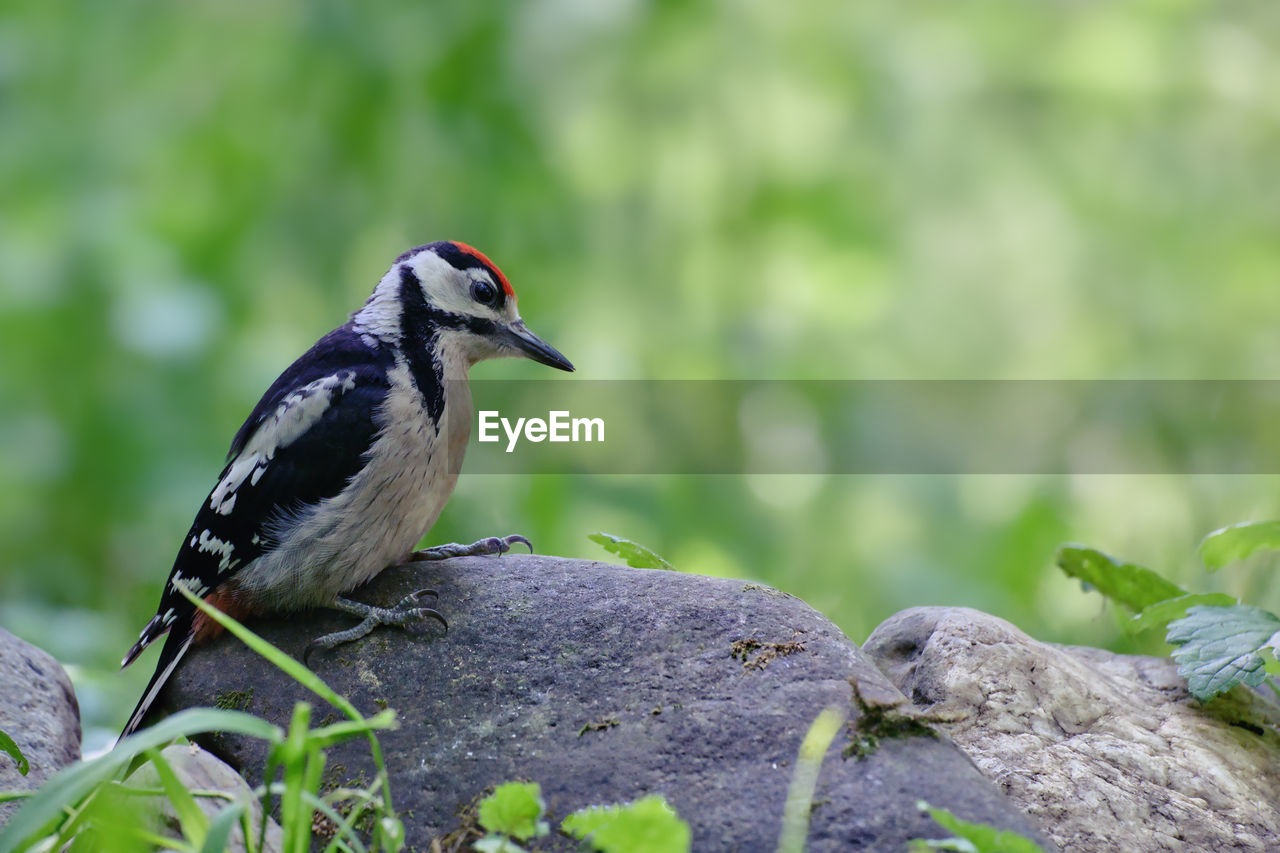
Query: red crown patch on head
490, 265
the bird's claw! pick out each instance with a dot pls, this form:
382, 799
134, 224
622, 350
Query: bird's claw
492, 546
402, 615
499, 545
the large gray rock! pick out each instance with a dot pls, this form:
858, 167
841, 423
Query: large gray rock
38, 709
604, 684
1108, 752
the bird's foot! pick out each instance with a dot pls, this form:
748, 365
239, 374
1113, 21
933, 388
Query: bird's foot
406, 612
484, 548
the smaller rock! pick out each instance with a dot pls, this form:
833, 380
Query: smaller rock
1106, 751
38, 709
200, 771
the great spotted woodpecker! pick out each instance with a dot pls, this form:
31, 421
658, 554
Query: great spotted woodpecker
348, 459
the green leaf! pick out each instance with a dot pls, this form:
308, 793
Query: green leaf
1129, 584
636, 555
7, 745
515, 809
1219, 647
1161, 613
972, 837
648, 825
1239, 541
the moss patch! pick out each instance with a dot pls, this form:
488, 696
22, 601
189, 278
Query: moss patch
756, 654
600, 726
876, 721
233, 700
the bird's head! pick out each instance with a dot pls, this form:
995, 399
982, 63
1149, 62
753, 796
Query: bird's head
452, 291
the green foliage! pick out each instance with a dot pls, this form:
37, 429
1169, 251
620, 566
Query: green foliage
515, 809
648, 825
54, 810
804, 780
636, 555
10, 748
1220, 642
1132, 585
971, 837
1220, 647
1238, 542
97, 805
1159, 615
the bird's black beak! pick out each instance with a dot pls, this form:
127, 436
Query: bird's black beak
519, 337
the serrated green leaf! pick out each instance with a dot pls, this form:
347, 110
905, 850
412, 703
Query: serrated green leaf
972, 837
515, 809
1161, 613
7, 745
1238, 541
648, 825
1219, 647
1134, 586
636, 555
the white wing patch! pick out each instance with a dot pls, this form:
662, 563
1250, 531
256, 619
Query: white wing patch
296, 414
193, 584
210, 544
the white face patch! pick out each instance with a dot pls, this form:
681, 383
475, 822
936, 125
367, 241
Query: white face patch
296, 414
449, 289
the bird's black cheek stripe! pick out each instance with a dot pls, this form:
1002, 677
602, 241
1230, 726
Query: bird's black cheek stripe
419, 328
478, 325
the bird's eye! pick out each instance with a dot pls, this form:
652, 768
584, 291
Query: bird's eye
483, 292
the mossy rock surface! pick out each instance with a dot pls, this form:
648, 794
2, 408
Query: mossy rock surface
604, 684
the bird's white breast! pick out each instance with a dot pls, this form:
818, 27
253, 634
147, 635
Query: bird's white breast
382, 514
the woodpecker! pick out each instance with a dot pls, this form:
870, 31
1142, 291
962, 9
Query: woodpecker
348, 459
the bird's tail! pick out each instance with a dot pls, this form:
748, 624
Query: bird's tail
175, 647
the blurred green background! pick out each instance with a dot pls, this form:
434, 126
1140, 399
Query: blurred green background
194, 192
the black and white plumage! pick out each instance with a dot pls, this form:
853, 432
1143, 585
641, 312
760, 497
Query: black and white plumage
349, 457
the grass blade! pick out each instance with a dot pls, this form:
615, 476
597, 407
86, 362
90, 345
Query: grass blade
804, 781
73, 783
219, 834
194, 822
298, 673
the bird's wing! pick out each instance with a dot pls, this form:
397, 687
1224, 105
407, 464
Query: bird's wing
301, 445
